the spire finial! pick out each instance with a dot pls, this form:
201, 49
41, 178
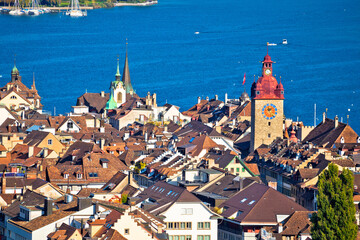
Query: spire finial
267, 48
14, 59
254, 77
117, 69
126, 45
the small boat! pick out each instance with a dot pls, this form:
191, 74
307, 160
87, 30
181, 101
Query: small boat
75, 10
284, 42
271, 44
196, 32
17, 11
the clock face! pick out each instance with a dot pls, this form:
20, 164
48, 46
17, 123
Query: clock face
269, 111
267, 71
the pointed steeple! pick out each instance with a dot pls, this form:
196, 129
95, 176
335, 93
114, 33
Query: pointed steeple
126, 75
117, 75
33, 87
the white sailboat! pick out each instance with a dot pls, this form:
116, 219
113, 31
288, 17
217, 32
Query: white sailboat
34, 9
75, 10
17, 11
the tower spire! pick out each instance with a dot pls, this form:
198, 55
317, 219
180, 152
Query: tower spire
126, 74
117, 75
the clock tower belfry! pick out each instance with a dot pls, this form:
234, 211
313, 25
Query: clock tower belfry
267, 107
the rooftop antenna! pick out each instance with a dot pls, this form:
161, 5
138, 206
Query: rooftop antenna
314, 114
347, 122
54, 111
14, 59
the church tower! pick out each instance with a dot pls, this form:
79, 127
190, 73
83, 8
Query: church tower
117, 91
267, 107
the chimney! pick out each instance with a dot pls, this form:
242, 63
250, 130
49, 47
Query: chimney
102, 94
199, 100
31, 151
126, 135
146, 136
3, 183
336, 121
48, 206
84, 203
241, 183
130, 178
216, 97
324, 117
166, 128
207, 98
280, 228
226, 98
102, 143
46, 152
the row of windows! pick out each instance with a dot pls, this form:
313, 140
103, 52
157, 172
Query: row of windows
188, 237
180, 237
237, 169
179, 225
203, 225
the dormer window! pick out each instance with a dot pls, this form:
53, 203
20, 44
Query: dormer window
66, 175
70, 124
342, 140
79, 176
104, 162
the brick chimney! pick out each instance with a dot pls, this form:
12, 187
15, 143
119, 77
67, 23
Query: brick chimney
31, 151
336, 121
3, 183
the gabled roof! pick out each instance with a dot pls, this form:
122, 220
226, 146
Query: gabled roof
325, 134
94, 101
259, 204
35, 138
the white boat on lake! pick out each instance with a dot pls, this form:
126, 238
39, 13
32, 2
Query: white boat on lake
17, 11
284, 41
75, 10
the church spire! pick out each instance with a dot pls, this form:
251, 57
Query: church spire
126, 75
117, 75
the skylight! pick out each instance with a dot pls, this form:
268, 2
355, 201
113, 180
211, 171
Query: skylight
169, 192
251, 202
243, 200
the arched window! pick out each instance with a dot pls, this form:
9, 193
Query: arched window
119, 97
358, 140
342, 140
13, 97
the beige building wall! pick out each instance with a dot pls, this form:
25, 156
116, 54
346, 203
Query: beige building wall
264, 131
13, 101
130, 229
55, 145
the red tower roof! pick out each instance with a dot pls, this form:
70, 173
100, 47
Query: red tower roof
267, 86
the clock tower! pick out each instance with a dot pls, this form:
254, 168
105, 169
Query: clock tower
267, 107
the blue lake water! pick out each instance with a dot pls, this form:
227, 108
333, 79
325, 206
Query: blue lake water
70, 56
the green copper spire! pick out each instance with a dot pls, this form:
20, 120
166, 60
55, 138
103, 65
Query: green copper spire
117, 70
111, 104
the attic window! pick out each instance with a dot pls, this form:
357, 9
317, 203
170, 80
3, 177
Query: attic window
243, 200
66, 175
70, 124
92, 174
342, 140
79, 175
13, 97
252, 202
49, 141
358, 140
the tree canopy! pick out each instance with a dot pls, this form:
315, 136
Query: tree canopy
335, 218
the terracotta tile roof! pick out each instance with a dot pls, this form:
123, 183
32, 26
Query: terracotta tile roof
308, 173
296, 223
259, 204
94, 101
325, 134
35, 138
63, 233
253, 167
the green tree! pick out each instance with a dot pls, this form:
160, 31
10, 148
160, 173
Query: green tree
139, 166
335, 218
124, 198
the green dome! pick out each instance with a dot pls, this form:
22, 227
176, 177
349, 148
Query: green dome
14, 70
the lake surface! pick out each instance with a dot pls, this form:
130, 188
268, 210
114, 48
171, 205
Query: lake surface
71, 56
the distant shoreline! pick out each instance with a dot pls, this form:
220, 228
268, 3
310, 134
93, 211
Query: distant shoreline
122, 4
